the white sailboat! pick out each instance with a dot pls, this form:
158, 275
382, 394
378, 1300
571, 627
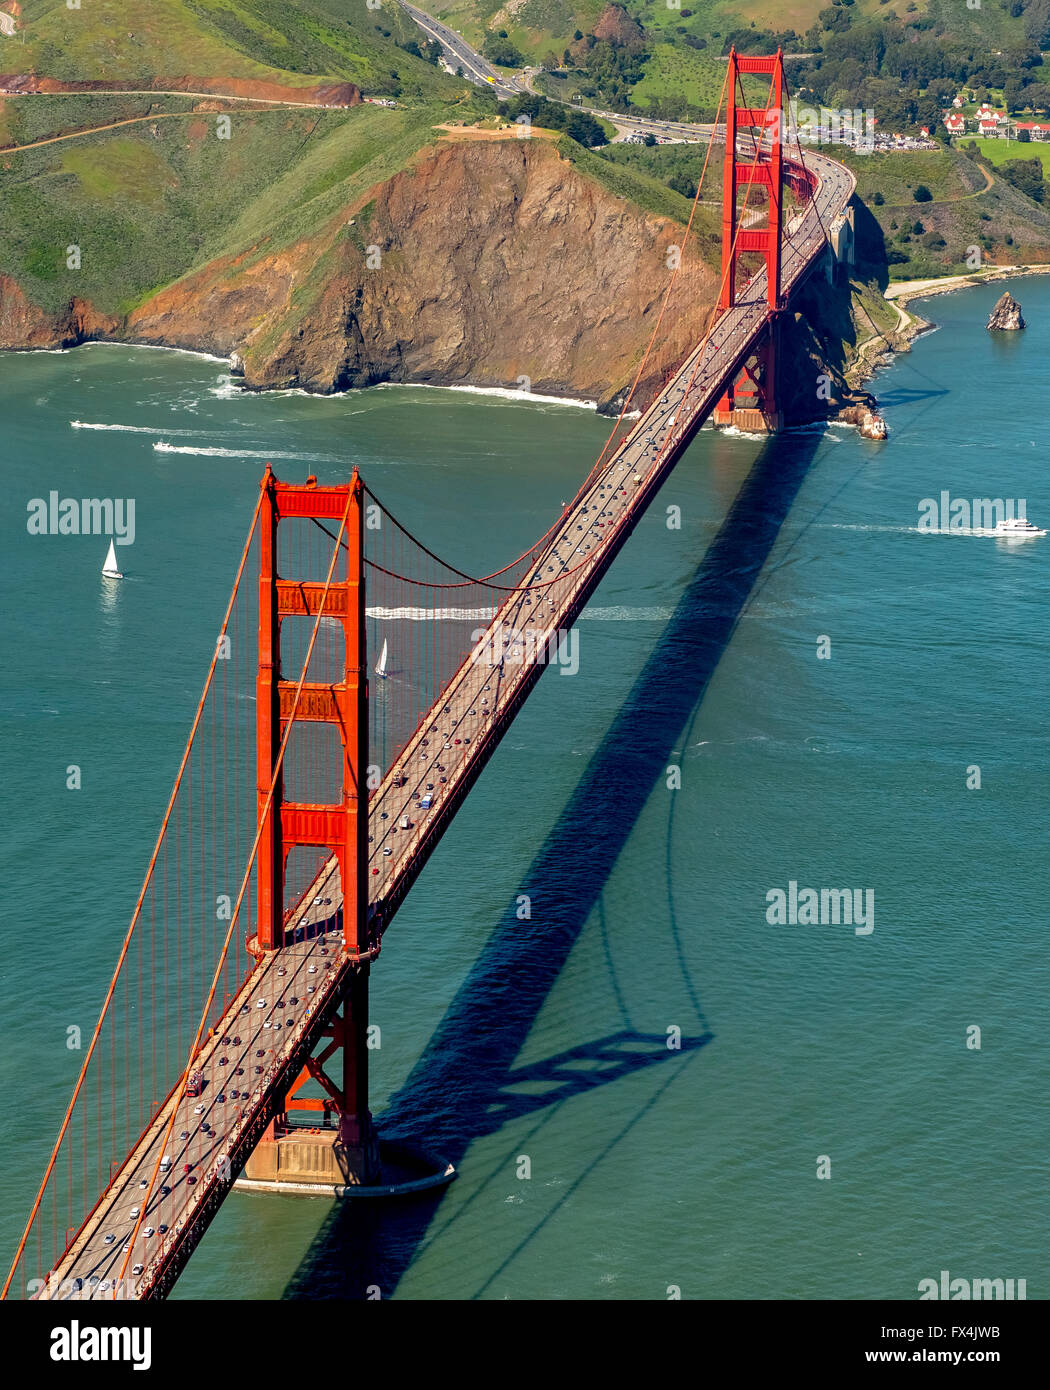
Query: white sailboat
381, 663
109, 569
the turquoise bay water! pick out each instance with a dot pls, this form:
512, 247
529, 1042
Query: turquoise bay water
501, 1039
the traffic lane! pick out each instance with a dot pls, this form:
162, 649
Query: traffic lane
480, 70
200, 1143
95, 1260
195, 1117
435, 771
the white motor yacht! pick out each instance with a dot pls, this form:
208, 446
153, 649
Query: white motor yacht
1017, 528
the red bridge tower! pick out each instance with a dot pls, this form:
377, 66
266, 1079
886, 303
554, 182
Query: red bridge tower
751, 401
341, 828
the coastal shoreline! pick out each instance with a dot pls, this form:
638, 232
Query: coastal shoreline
875, 352
905, 291
872, 359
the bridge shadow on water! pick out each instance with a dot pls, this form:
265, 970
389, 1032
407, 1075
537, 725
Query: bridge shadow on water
465, 1085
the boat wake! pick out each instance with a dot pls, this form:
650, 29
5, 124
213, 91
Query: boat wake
130, 429
426, 615
624, 614
214, 451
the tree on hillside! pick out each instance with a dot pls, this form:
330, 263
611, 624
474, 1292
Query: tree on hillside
1026, 175
922, 194
1037, 23
497, 48
582, 127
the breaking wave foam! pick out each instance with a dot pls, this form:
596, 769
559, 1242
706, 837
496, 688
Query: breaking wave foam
502, 392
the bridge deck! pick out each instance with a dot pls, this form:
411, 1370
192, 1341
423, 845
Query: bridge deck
279, 1013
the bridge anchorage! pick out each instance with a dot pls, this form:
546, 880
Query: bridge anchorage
750, 401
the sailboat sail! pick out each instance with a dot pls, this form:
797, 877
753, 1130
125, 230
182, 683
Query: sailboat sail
381, 663
109, 569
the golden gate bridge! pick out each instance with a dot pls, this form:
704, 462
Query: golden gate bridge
358, 686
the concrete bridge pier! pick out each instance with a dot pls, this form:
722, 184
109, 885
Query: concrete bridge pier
750, 402
357, 1148
340, 1154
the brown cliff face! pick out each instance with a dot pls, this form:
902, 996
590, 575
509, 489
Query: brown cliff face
219, 309
24, 325
498, 261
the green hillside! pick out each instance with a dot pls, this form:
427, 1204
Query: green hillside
151, 203
669, 59
905, 236
273, 41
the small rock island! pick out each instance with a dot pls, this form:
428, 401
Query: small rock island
1006, 315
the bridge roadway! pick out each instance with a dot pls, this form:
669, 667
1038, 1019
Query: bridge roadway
277, 1018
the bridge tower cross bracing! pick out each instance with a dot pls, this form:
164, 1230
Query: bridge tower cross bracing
750, 402
340, 828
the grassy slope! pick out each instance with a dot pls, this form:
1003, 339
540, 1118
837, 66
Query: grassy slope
40, 117
999, 151
124, 39
150, 202
146, 208
644, 187
294, 44
962, 211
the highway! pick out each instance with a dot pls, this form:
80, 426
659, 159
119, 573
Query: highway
276, 1018
485, 693
459, 52
479, 70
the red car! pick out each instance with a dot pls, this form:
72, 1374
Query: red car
195, 1084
